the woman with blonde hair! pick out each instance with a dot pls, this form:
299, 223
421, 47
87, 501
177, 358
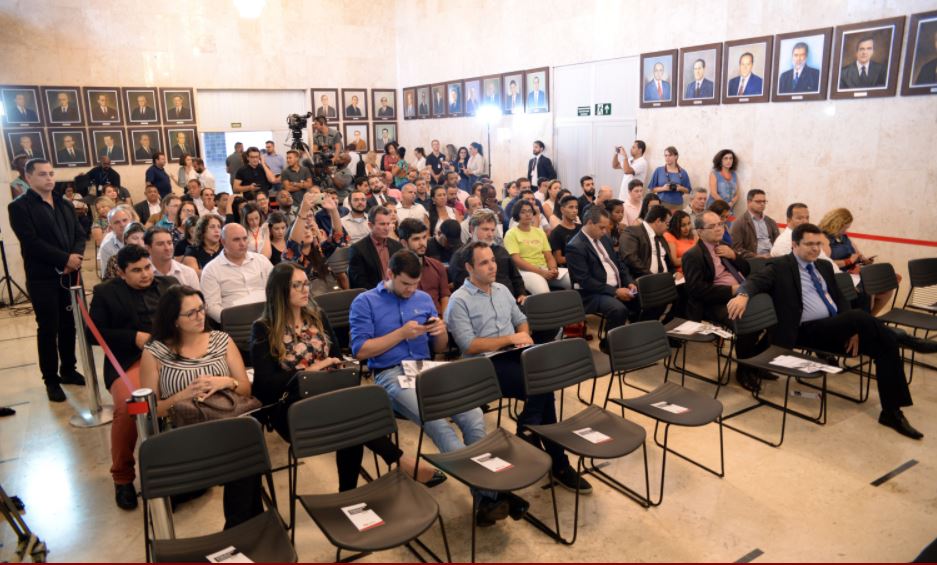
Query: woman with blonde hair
371, 166
99, 227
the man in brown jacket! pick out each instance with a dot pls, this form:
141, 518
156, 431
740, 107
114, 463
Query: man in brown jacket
753, 233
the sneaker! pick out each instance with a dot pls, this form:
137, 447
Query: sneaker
5, 411
125, 496
517, 506
72, 378
568, 479
490, 511
54, 392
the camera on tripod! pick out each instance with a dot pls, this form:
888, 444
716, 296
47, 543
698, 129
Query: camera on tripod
297, 123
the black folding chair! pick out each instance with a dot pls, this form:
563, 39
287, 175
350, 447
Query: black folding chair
344, 418
759, 315
338, 260
337, 306
640, 345
555, 366
204, 455
756, 264
236, 321
464, 385
922, 276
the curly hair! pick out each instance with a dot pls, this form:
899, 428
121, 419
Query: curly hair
202, 226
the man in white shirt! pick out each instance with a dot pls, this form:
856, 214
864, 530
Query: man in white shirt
797, 214
236, 276
408, 208
158, 241
206, 205
117, 220
355, 223
204, 175
633, 164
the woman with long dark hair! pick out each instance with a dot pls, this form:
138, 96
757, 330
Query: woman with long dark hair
207, 243
680, 237
439, 209
276, 224
723, 182
461, 166
650, 200
258, 235
670, 181
304, 247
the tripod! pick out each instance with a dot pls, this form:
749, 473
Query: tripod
8, 280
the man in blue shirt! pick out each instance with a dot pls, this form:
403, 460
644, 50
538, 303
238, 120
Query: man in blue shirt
156, 174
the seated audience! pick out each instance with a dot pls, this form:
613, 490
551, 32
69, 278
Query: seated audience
697, 205
379, 195
188, 229
721, 208
158, 242
557, 216
550, 201
633, 202
483, 226
587, 187
680, 237
797, 214
447, 241
531, 252
168, 210
408, 206
566, 229
434, 280
650, 200
207, 243
150, 205
133, 235
236, 276
440, 211
616, 215
284, 202
355, 224
99, 225
643, 247
369, 257
186, 210
258, 233
276, 225
304, 247
117, 219
754, 232
206, 202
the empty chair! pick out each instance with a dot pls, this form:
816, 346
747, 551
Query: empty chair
236, 321
204, 455
336, 306
338, 260
922, 276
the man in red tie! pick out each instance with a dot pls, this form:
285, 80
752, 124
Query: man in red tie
657, 89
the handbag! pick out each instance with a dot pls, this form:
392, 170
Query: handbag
222, 404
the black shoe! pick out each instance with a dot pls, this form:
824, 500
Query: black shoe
748, 379
437, 479
55, 393
916, 344
568, 479
896, 421
490, 511
177, 499
73, 378
4, 411
126, 496
603, 345
517, 506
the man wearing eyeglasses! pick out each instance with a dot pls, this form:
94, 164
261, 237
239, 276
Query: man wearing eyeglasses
754, 232
123, 310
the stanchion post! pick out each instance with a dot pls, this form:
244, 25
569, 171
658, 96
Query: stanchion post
97, 414
142, 405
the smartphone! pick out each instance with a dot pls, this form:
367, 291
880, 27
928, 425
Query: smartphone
430, 321
618, 149
673, 186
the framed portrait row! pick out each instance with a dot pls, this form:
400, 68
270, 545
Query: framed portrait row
858, 60
353, 104
72, 106
518, 92
367, 137
80, 147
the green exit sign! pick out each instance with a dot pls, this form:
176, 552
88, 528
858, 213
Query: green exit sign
584, 111
603, 109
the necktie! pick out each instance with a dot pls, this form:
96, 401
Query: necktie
819, 288
71, 153
741, 87
796, 78
696, 93
606, 259
660, 258
660, 91
732, 270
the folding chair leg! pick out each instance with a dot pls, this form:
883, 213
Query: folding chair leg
666, 449
537, 523
596, 471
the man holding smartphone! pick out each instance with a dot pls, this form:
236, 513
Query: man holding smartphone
632, 163
253, 177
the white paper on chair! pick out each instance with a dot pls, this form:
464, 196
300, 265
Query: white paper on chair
672, 408
492, 463
804, 365
561, 272
362, 517
592, 436
412, 369
702, 328
687, 328
228, 555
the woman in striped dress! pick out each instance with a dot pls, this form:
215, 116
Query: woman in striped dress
182, 361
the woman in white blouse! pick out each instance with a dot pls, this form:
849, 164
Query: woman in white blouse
477, 165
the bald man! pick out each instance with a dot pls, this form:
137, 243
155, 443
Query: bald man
236, 276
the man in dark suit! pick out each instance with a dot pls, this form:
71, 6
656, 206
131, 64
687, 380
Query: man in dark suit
144, 151
149, 203
182, 145
26, 147
802, 77
927, 76
423, 108
110, 149
101, 111
701, 87
352, 110
812, 313
21, 113
325, 109
747, 83
385, 111
368, 259
178, 110
536, 98
123, 310
513, 100
70, 152
378, 194
455, 100
657, 89
540, 166
603, 281
52, 243
143, 112
864, 72
65, 111
636, 249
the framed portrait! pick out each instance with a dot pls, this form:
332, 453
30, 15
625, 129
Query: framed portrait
536, 90
111, 143
68, 147
325, 103
357, 136
409, 103
454, 99
658, 70
746, 70
801, 65
920, 62
438, 101
63, 105
21, 106
103, 105
491, 91
143, 143
384, 102
865, 59
472, 89
181, 140
384, 133
513, 93
423, 102
355, 103
141, 105
178, 105
29, 142
700, 75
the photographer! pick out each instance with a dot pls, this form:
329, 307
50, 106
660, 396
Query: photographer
325, 139
254, 176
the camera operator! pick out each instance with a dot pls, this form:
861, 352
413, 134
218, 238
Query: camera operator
296, 179
325, 139
254, 176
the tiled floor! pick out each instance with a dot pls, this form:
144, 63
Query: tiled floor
810, 500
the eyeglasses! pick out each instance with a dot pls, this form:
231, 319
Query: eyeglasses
760, 201
299, 285
193, 313
720, 225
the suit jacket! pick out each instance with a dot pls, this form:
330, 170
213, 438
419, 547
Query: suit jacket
45, 249
586, 268
108, 114
507, 274
536, 100
703, 297
754, 86
635, 250
876, 76
364, 264
144, 154
808, 81
423, 109
142, 209
353, 111
928, 73
705, 89
15, 116
385, 112
113, 312
744, 239
178, 150
514, 103
64, 157
372, 201
183, 114
69, 115
781, 279
117, 152
650, 91
544, 168
147, 115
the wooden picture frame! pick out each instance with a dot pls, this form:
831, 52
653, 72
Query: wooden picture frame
455, 99
757, 53
17, 146
330, 111
363, 144
117, 151
175, 147
63, 139
424, 96
920, 60
656, 89
471, 96
377, 128
882, 71
72, 115
706, 59
137, 114
512, 98
533, 102
184, 113
355, 104
812, 80
380, 113
409, 103
110, 113
438, 101
138, 154
32, 106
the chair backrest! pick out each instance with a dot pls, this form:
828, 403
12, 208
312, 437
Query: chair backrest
846, 288
757, 264
314, 383
637, 345
553, 310
556, 365
878, 277
336, 306
759, 315
341, 418
203, 455
922, 272
236, 321
455, 387
338, 261
657, 290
